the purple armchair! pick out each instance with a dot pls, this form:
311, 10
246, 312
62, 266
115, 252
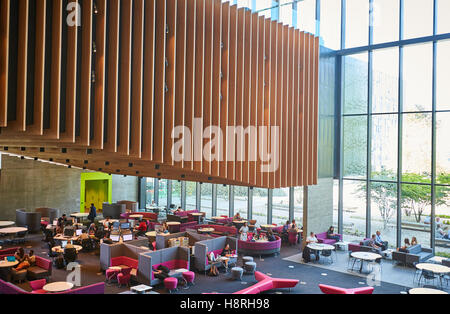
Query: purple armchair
322, 238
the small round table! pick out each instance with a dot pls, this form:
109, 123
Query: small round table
206, 230
59, 249
172, 226
59, 286
267, 227
6, 223
198, 216
5, 272
426, 291
12, 230
435, 269
239, 223
365, 256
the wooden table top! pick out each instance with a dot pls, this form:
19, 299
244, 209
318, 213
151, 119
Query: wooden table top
59, 249
173, 223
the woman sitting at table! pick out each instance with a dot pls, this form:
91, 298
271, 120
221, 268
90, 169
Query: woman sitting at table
213, 271
142, 228
165, 227
31, 258
271, 237
226, 252
237, 217
22, 259
414, 241
405, 247
162, 272
332, 235
243, 231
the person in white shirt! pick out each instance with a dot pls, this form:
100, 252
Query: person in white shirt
312, 238
243, 231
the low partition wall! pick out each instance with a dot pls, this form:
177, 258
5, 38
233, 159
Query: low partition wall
215, 245
162, 240
173, 258
113, 210
130, 249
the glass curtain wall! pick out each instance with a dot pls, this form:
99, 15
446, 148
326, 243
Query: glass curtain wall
395, 109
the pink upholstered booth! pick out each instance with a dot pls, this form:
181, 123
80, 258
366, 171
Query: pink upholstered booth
9, 288
219, 230
337, 290
259, 248
322, 238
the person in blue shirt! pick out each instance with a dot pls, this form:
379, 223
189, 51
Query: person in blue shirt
92, 213
379, 241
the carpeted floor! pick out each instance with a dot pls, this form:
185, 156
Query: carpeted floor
310, 277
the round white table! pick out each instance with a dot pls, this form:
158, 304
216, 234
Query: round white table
12, 230
267, 227
136, 216
59, 286
320, 247
6, 264
426, 291
198, 216
437, 269
365, 257
6, 223
173, 223
59, 249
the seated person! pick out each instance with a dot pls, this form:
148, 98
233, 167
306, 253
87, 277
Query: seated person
106, 223
441, 234
293, 225
427, 220
405, 247
271, 237
226, 252
31, 258
213, 271
332, 235
22, 259
61, 224
312, 239
165, 227
414, 241
162, 272
70, 253
179, 209
92, 229
237, 216
373, 245
142, 228
379, 241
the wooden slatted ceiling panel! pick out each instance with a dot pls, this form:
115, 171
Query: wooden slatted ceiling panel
232, 86
160, 80
207, 98
113, 75
4, 60
180, 74
137, 78
169, 104
199, 81
149, 80
225, 80
191, 42
225, 65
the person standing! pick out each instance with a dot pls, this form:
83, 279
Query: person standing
92, 213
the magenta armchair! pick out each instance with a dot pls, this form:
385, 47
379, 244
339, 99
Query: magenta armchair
123, 278
37, 285
337, 290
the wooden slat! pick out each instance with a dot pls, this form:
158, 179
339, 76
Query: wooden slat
315, 118
273, 97
260, 105
267, 99
230, 150
123, 146
37, 128
191, 57
137, 78
199, 83
224, 87
100, 65
160, 80
180, 73
247, 92
290, 108
149, 80
254, 98
113, 75
279, 120
295, 115
20, 123
306, 110
240, 89
207, 100
86, 71
214, 150
4, 60
301, 109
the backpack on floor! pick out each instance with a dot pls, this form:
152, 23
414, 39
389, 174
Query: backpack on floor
306, 255
59, 262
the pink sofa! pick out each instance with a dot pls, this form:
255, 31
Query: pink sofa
337, 290
259, 248
356, 247
219, 230
9, 288
322, 238
7, 252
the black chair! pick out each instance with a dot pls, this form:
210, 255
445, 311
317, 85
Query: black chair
70, 255
20, 237
427, 275
327, 254
50, 252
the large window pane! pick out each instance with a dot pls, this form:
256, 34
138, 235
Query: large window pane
384, 211
355, 146
357, 23
241, 201
416, 206
223, 200
264, 4
443, 20
162, 193
386, 15
385, 81
306, 15
384, 147
286, 12
443, 147
443, 213
417, 77
355, 83
298, 205
418, 17
443, 75
336, 203
354, 206
150, 190
191, 195
244, 4
280, 206
416, 147
176, 193
206, 199
260, 205
330, 24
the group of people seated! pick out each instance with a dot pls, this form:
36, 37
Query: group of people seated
24, 260
290, 227
220, 260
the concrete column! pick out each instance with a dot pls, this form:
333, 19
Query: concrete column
231, 201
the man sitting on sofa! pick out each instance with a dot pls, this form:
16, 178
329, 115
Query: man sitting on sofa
379, 241
372, 244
